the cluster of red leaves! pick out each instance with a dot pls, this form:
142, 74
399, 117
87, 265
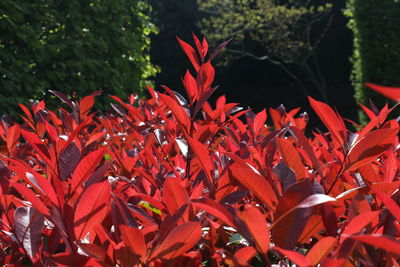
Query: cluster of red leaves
176, 182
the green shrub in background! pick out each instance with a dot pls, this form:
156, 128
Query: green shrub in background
72, 46
376, 58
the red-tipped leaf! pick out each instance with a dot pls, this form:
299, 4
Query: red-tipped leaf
392, 93
203, 157
134, 239
294, 256
370, 147
291, 157
28, 195
320, 250
331, 119
28, 229
259, 121
215, 209
257, 226
190, 53
86, 167
174, 195
247, 175
179, 240
379, 241
91, 208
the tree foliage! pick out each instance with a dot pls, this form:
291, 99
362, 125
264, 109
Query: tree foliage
274, 30
72, 46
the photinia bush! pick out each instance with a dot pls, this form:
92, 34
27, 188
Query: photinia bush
177, 181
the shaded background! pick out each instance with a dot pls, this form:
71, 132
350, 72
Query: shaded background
252, 83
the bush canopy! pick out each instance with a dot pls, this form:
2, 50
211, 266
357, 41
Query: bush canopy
72, 46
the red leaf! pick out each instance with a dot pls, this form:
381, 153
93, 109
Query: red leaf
28, 229
37, 144
52, 132
178, 111
86, 168
246, 254
203, 157
202, 99
85, 105
12, 137
91, 208
76, 130
174, 195
389, 203
375, 121
247, 175
291, 157
134, 239
67, 260
34, 179
28, 114
179, 240
331, 119
385, 186
259, 121
93, 251
62, 97
190, 86
392, 93
370, 147
190, 53
28, 195
202, 48
371, 115
379, 241
329, 219
359, 222
215, 209
127, 212
94, 138
315, 200
303, 141
67, 161
390, 167
257, 226
286, 175
219, 49
205, 77
224, 186
276, 118
198, 45
294, 256
318, 252
292, 216
131, 109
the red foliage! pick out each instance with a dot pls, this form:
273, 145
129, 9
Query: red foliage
174, 182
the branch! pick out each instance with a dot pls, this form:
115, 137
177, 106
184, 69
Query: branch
321, 36
243, 53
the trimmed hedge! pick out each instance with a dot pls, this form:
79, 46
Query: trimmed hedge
376, 58
72, 46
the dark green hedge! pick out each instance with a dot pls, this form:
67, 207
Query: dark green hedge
72, 46
376, 27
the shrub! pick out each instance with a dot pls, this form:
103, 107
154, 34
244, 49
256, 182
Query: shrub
174, 181
376, 57
72, 46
